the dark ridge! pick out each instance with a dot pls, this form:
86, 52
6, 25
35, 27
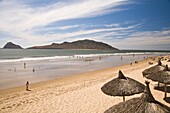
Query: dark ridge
80, 44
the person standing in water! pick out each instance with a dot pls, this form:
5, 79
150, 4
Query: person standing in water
27, 85
24, 65
33, 70
133, 55
15, 69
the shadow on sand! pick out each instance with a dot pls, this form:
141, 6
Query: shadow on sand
167, 99
28, 90
161, 88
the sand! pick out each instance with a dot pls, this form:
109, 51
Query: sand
78, 93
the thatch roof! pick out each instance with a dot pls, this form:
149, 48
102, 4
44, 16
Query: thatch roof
122, 86
154, 69
144, 104
161, 76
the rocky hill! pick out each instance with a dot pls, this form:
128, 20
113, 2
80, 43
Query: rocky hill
11, 45
80, 44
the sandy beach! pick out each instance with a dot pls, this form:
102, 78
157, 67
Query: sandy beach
79, 93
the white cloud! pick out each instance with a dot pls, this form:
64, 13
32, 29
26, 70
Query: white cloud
21, 21
112, 25
27, 18
69, 27
145, 40
131, 39
66, 36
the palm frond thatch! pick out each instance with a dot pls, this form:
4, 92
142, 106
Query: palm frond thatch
162, 77
154, 69
144, 104
122, 86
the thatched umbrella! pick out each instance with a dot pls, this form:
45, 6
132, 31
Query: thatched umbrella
162, 77
122, 86
144, 104
154, 69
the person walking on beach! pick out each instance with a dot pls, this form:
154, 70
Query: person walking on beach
27, 85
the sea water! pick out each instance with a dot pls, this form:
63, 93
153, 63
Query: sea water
54, 63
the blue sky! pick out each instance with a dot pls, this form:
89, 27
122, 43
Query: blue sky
124, 24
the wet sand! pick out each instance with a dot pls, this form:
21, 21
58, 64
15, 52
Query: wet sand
14, 74
78, 93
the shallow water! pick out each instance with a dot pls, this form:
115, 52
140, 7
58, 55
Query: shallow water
13, 73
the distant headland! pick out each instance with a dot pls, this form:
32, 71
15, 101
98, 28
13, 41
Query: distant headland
11, 45
80, 44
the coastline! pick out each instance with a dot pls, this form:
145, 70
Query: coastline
15, 74
70, 78
72, 93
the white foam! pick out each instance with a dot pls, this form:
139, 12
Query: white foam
53, 58
33, 59
113, 54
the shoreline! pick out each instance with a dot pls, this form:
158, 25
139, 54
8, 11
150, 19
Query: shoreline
64, 78
15, 74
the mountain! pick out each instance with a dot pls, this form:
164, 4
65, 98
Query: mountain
11, 45
80, 44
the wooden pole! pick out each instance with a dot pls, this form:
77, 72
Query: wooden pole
165, 89
123, 98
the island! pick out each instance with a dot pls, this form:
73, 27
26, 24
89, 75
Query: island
11, 45
80, 44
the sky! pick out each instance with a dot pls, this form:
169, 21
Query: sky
124, 24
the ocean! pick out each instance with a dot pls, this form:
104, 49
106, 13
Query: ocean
17, 65
10, 55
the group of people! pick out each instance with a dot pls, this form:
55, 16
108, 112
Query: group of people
33, 70
27, 83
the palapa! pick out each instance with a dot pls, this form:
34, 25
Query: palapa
154, 69
122, 86
144, 104
161, 77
